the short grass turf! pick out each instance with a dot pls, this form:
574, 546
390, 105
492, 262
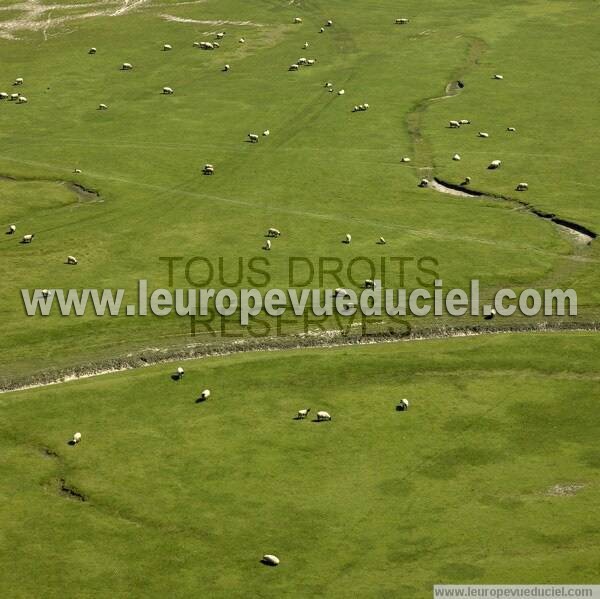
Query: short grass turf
492, 476
322, 172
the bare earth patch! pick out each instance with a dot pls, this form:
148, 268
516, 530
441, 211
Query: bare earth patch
564, 490
36, 16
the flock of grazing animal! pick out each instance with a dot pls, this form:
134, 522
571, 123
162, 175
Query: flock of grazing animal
17, 96
208, 168
253, 138
493, 165
28, 238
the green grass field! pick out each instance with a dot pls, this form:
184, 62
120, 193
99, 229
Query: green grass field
470, 485
323, 171
490, 477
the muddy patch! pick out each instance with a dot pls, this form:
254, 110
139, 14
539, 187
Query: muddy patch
84, 195
70, 492
578, 233
49, 453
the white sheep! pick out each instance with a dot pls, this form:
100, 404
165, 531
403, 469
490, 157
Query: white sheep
405, 159
341, 92
348, 238
329, 84
310, 62
76, 438
167, 91
266, 133
92, 51
3, 95
298, 20
220, 35
483, 134
322, 415
511, 129
369, 284
329, 23
208, 169
11, 229
14, 97
267, 246
180, 372
305, 45
302, 61
126, 66
365, 106
28, 238
242, 40
403, 405
77, 171
21, 100
522, 187
216, 45
401, 21
355, 109
381, 241
270, 560
71, 260
205, 394
340, 291
498, 77
294, 67
19, 81
424, 183
456, 157
321, 30
272, 232
167, 47
207, 45
302, 414
495, 164
253, 137
464, 122
454, 124
45, 293
102, 107
226, 67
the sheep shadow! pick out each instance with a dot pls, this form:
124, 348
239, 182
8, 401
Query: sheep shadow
176, 377
71, 443
200, 400
317, 420
345, 242
265, 562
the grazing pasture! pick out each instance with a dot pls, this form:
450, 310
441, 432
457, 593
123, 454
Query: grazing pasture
322, 171
490, 476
